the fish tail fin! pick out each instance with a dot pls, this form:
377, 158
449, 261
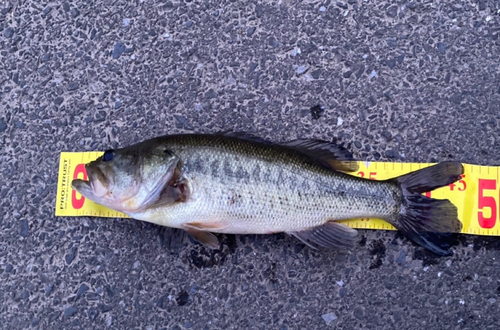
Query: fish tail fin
427, 220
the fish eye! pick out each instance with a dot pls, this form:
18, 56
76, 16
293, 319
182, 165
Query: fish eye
108, 155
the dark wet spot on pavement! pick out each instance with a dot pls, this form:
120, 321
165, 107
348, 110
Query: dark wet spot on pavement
488, 243
428, 258
378, 252
316, 111
182, 298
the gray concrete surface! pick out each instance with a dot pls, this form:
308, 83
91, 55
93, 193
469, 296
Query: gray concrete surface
397, 81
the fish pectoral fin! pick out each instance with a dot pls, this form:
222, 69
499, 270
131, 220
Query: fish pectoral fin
204, 237
327, 154
331, 235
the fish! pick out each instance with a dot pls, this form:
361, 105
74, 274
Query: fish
237, 183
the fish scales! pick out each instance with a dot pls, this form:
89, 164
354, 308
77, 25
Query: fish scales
259, 190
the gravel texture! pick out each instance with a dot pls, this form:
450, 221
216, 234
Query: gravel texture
392, 81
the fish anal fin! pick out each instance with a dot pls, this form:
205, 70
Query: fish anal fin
327, 154
331, 235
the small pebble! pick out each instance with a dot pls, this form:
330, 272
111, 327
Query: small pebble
8, 32
316, 74
3, 126
54, 316
441, 47
401, 258
392, 11
118, 50
391, 153
71, 255
391, 63
329, 317
83, 288
301, 69
75, 12
340, 121
73, 86
93, 314
109, 320
296, 51
70, 311
35, 321
23, 228
250, 31
46, 11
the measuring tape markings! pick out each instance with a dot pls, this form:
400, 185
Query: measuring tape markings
476, 194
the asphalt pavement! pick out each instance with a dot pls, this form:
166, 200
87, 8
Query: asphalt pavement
403, 81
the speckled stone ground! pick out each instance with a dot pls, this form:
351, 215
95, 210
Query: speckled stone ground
400, 81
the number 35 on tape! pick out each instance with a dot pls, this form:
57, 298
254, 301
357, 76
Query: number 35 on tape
476, 194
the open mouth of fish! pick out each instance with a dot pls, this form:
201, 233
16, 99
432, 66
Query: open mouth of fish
92, 186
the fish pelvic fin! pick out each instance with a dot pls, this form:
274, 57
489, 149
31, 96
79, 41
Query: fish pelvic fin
427, 221
206, 238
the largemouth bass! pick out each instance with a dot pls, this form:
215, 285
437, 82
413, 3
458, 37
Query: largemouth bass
239, 184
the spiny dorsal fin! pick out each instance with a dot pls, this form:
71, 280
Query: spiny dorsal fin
246, 136
328, 154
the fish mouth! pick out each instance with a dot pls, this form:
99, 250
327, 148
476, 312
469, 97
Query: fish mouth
93, 187
83, 187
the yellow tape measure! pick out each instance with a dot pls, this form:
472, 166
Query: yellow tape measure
476, 195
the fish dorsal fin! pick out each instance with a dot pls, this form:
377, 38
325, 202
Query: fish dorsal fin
327, 154
246, 136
